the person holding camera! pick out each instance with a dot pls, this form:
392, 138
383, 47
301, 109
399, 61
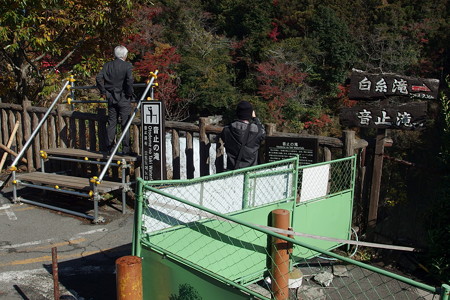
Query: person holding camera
243, 137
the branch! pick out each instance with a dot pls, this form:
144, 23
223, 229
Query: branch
70, 53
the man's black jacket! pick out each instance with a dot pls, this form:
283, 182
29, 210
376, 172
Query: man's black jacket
115, 80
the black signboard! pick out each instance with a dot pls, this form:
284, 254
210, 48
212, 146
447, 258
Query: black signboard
407, 116
367, 86
278, 148
153, 141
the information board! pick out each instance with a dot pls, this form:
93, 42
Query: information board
278, 148
153, 141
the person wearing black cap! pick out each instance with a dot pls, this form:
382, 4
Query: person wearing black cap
243, 137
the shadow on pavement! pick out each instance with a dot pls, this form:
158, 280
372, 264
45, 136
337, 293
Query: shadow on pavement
91, 277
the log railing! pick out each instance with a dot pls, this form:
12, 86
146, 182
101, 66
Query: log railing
66, 128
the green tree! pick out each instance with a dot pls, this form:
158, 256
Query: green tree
39, 38
336, 47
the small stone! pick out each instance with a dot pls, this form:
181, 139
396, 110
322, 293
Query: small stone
340, 271
310, 293
324, 278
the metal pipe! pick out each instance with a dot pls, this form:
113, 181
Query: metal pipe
47, 188
75, 213
280, 256
124, 192
14, 181
82, 161
249, 170
445, 294
38, 127
127, 127
129, 278
55, 273
92, 87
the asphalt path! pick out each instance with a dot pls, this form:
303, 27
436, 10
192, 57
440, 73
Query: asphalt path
86, 252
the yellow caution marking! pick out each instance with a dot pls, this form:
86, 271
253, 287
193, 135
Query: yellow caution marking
48, 258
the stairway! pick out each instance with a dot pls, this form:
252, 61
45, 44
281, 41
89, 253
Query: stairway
90, 184
63, 181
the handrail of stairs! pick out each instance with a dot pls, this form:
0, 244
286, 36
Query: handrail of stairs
127, 127
13, 166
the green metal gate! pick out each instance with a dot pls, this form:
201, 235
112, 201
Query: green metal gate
206, 238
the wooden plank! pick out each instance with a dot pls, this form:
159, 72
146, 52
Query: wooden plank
101, 129
61, 126
19, 138
368, 86
12, 125
405, 116
52, 133
74, 134
10, 142
82, 133
92, 136
4, 126
81, 153
135, 137
376, 179
72, 182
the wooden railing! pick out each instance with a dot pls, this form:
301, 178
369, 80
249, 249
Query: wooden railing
73, 129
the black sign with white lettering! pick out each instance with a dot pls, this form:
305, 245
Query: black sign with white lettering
278, 148
408, 116
153, 141
366, 86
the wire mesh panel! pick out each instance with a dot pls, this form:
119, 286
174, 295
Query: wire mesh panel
325, 204
224, 193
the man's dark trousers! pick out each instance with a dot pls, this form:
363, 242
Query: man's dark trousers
123, 110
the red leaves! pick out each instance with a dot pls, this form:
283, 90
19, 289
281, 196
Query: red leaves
278, 82
164, 59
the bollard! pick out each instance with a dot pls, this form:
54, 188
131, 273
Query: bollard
55, 273
280, 256
129, 278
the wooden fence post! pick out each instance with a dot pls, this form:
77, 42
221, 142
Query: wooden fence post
271, 128
101, 133
27, 133
204, 148
220, 157
190, 168
376, 179
176, 164
349, 143
61, 126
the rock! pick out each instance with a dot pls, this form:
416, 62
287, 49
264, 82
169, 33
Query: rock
310, 293
340, 271
324, 278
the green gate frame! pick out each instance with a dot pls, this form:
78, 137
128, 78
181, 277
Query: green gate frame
176, 267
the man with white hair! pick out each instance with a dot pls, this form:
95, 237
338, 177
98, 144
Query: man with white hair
115, 83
